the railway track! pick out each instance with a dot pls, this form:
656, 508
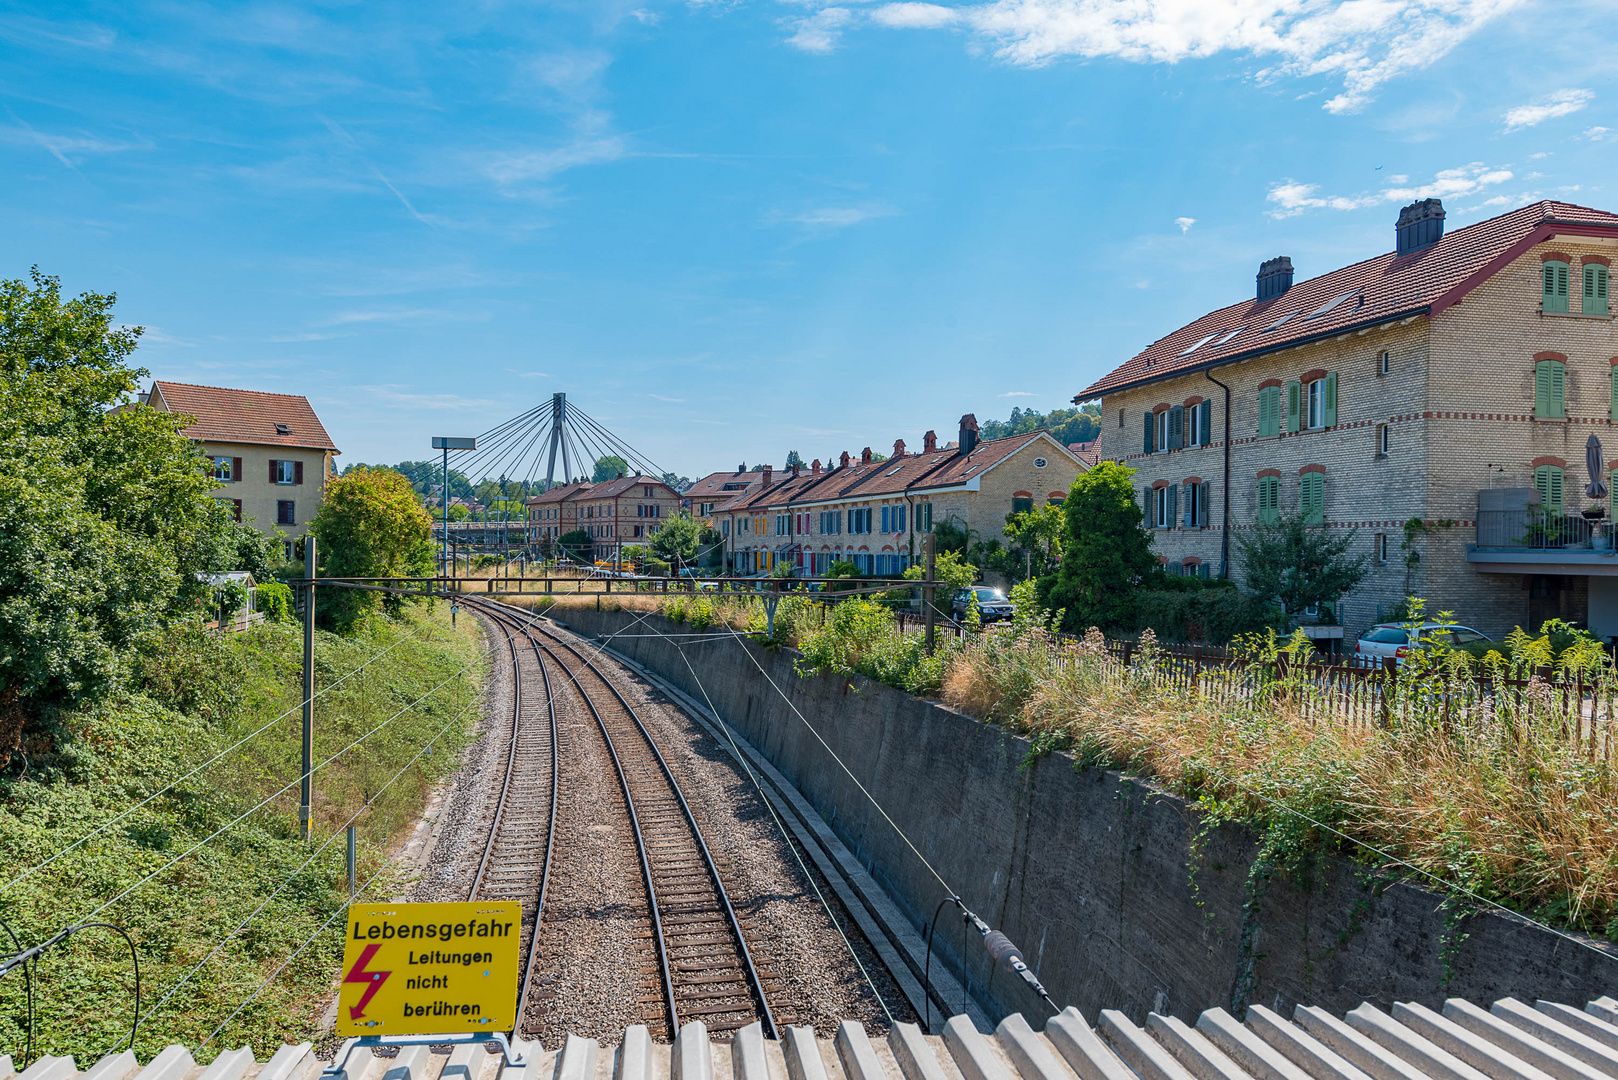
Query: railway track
700, 966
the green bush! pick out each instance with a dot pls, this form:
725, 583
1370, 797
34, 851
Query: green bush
654, 567
275, 601
1212, 614
862, 637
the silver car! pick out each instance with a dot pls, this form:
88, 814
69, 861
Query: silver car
1392, 639
992, 604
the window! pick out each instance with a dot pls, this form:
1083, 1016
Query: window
1198, 345
927, 517
285, 472
1554, 286
1595, 289
282, 429
1382, 440
1282, 321
1269, 412
648, 491
1548, 482
1388, 635
236, 510
1120, 419
1269, 499
286, 512
859, 521
1040, 463
1196, 506
1381, 544
1312, 498
1321, 403
1550, 389
1164, 503
1022, 506
724, 527
1382, 362
1150, 426
1333, 303
899, 519
222, 470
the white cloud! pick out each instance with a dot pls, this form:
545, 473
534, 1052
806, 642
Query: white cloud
1185, 224
820, 32
517, 167
414, 316
68, 149
660, 397
1595, 134
914, 16
1292, 198
1398, 178
1543, 154
1364, 43
398, 396
1560, 103
531, 374
839, 217
1016, 393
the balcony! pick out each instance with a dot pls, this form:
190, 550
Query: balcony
1533, 540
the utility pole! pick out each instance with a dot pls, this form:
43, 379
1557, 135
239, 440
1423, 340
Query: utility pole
929, 616
304, 788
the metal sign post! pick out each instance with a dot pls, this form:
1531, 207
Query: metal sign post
306, 784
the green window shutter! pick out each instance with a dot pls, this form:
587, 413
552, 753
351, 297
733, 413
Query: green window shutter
1177, 427
1312, 498
1207, 422
1269, 499
1595, 289
1294, 394
1615, 394
1146, 507
1173, 507
1269, 412
1558, 388
1548, 481
1147, 447
1329, 406
1554, 296
1542, 388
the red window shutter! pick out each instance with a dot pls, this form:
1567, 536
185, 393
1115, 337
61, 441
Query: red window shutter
236, 506
273, 466
236, 474
297, 472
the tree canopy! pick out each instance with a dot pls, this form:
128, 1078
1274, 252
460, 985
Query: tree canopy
678, 541
106, 517
369, 525
610, 467
1067, 425
1299, 564
1106, 555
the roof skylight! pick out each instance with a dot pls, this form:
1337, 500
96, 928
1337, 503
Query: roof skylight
1333, 302
1230, 335
1198, 345
895, 469
282, 429
1282, 321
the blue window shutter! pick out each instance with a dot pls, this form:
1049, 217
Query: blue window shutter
1146, 499
1174, 506
884, 519
1206, 409
1190, 505
1177, 427
1147, 447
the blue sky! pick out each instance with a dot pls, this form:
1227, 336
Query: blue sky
736, 228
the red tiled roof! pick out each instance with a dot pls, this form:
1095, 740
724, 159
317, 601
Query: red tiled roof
1087, 452
1378, 289
243, 416
560, 493
608, 489
712, 485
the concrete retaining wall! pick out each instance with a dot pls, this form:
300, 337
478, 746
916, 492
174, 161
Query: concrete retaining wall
1088, 870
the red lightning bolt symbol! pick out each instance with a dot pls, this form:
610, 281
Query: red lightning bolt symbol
373, 981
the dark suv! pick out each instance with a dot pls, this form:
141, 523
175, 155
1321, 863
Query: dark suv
992, 604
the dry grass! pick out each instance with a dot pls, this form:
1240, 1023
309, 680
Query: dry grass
1502, 805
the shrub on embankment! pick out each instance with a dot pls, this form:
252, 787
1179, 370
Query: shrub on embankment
251, 889
1495, 790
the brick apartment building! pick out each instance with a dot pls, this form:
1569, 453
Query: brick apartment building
554, 512
874, 513
1453, 381
269, 452
615, 513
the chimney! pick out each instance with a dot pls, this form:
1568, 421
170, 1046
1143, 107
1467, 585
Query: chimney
898, 448
1274, 277
795, 467
768, 469
969, 434
929, 442
814, 470
1420, 225
843, 461
865, 456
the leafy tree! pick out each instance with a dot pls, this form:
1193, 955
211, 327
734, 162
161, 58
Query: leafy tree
610, 467
794, 459
1035, 540
106, 516
678, 541
458, 512
370, 525
1066, 425
682, 484
1299, 564
576, 544
1106, 555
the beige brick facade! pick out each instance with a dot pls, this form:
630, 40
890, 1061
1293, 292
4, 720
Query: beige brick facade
1458, 403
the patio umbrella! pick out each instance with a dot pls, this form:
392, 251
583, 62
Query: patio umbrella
1592, 462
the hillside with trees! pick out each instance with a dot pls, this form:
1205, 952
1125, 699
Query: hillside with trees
1081, 424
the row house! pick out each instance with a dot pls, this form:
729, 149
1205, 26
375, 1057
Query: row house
554, 512
269, 453
1439, 399
716, 489
614, 513
874, 513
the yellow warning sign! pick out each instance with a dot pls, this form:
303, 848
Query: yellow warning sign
429, 969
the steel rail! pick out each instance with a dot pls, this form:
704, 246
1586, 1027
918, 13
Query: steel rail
505, 621
749, 970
